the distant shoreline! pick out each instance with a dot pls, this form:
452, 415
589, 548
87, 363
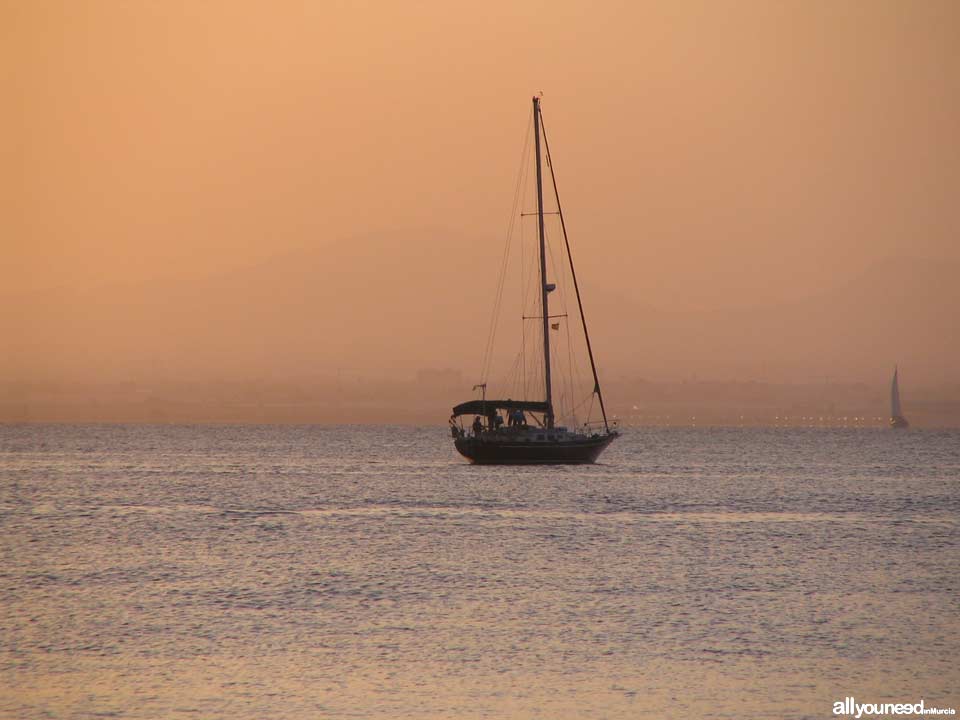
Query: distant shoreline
425, 401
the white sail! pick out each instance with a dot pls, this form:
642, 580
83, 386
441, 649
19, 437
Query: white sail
895, 411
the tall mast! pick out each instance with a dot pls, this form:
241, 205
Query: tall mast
544, 290
573, 273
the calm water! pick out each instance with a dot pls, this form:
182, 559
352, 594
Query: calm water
312, 572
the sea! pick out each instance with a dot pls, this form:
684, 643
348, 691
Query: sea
248, 572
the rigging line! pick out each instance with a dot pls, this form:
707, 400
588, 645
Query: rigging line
573, 357
573, 273
528, 288
515, 384
574, 362
532, 286
571, 369
587, 399
491, 335
538, 379
530, 294
561, 281
529, 298
494, 321
536, 367
576, 408
565, 370
571, 363
525, 287
509, 378
532, 305
523, 325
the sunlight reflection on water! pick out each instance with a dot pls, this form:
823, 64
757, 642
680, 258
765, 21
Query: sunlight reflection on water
305, 572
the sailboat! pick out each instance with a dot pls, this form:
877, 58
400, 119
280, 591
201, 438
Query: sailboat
531, 435
897, 420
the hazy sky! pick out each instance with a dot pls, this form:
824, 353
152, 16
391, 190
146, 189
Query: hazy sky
204, 187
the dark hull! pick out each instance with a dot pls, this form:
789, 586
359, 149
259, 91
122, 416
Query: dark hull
506, 451
899, 422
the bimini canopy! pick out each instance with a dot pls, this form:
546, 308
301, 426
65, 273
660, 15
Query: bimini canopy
488, 407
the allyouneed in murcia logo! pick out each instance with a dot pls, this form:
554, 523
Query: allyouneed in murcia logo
849, 706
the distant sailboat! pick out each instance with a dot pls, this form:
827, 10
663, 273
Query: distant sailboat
897, 420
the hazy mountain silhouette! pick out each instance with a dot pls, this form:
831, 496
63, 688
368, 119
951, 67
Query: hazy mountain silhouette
321, 309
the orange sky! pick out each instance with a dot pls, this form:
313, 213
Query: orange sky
754, 189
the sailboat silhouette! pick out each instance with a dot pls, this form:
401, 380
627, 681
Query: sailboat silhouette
543, 441
897, 420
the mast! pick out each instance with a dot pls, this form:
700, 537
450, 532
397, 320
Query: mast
895, 410
576, 286
544, 290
